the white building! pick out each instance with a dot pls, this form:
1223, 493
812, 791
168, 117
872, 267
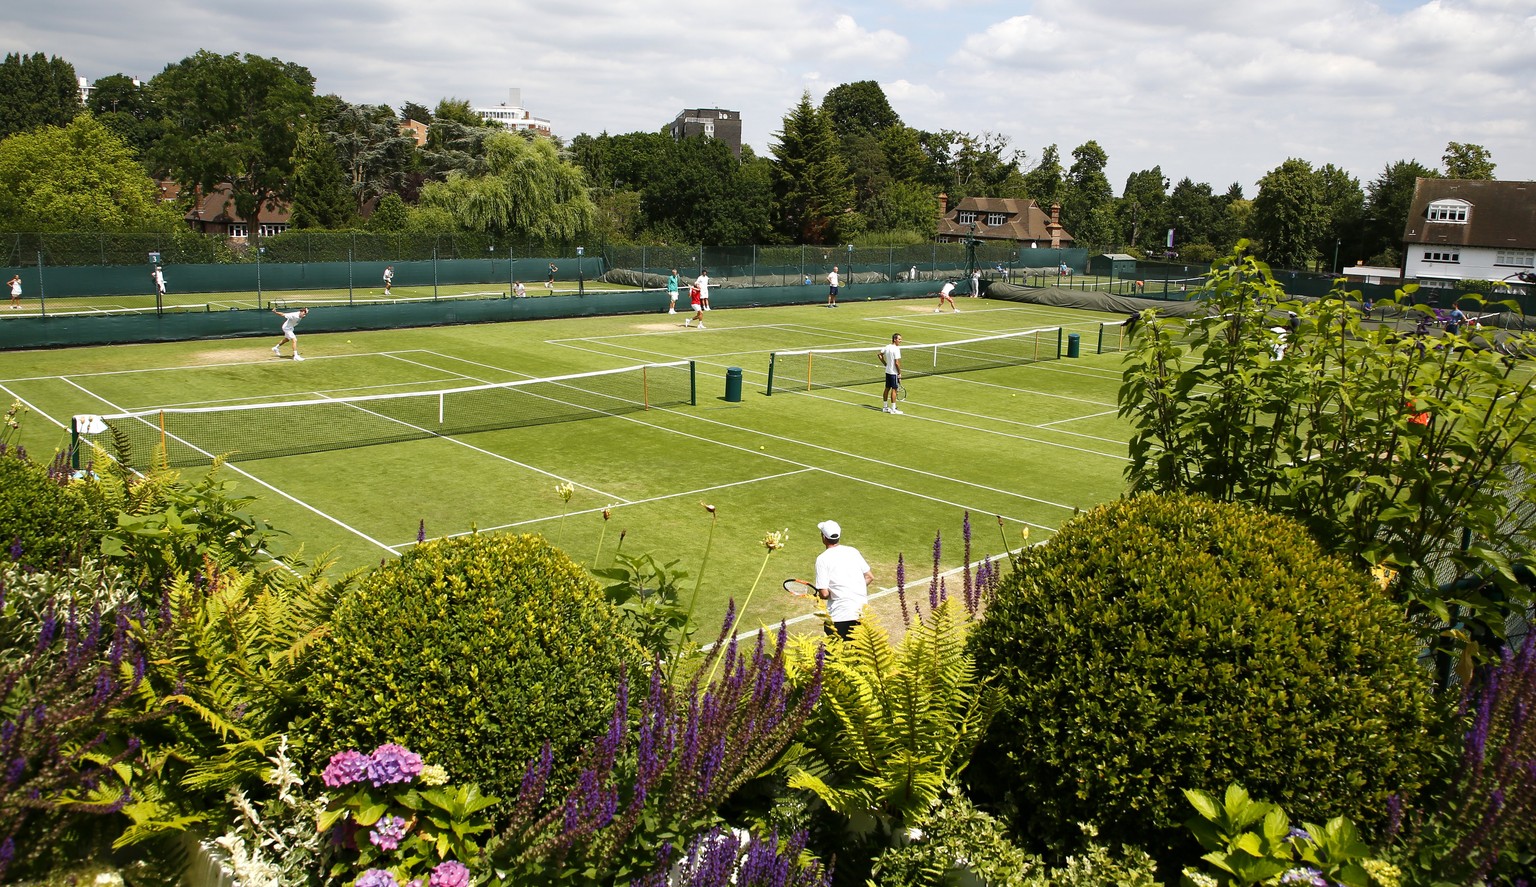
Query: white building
513, 116
1468, 229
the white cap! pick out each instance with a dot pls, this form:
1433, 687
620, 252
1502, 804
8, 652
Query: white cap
830, 530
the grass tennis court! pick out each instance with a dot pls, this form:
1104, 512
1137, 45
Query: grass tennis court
1028, 443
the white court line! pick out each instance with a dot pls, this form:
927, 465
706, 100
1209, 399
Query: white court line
698, 492
238, 470
453, 439
903, 491
1048, 443
32, 407
279, 398
199, 366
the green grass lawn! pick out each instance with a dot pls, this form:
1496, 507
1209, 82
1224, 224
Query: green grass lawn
1027, 444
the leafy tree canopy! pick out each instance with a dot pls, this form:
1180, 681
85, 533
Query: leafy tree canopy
1289, 217
1467, 161
79, 177
36, 91
859, 108
526, 190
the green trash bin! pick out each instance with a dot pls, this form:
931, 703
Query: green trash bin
1074, 344
733, 384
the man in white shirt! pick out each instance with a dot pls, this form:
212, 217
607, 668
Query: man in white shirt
158, 276
832, 287
890, 357
975, 283
842, 580
290, 320
702, 282
389, 278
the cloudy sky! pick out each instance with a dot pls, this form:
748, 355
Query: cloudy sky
1220, 92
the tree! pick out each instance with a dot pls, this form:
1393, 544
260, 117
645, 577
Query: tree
321, 197
1085, 193
525, 191
1467, 161
370, 146
1344, 207
1288, 214
1044, 182
126, 107
1193, 211
859, 109
699, 190
413, 111
1390, 195
79, 177
904, 157
812, 188
1143, 209
36, 91
233, 120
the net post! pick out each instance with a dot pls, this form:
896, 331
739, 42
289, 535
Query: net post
773, 357
74, 443
1058, 343
1100, 348
440, 407
693, 384
645, 387
163, 448
810, 364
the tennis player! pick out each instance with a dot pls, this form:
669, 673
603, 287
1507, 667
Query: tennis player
890, 356
672, 292
158, 276
947, 294
696, 301
519, 291
842, 580
832, 288
15, 283
550, 283
290, 320
389, 278
702, 283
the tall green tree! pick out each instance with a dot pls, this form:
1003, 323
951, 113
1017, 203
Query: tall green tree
126, 107
369, 145
699, 190
1045, 181
1289, 218
1344, 206
321, 195
1464, 160
1193, 211
1087, 203
859, 109
36, 90
1389, 197
1143, 209
527, 190
812, 188
233, 120
78, 177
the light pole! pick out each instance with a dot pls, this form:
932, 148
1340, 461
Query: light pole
581, 277
1336, 245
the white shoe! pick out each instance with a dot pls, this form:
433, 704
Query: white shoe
895, 412
296, 357
277, 349
706, 307
688, 322
701, 324
957, 310
935, 311
671, 310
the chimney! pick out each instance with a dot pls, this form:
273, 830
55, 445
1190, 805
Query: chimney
1055, 226
943, 204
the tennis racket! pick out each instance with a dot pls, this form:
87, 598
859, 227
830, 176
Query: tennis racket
901, 390
800, 588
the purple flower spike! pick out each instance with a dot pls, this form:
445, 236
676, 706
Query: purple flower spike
450, 874
345, 768
421, 531
393, 763
901, 589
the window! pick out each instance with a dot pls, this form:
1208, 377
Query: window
966, 217
1442, 256
239, 229
1454, 211
996, 218
270, 229
1520, 258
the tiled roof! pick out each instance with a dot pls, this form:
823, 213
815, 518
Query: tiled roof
1024, 221
1501, 215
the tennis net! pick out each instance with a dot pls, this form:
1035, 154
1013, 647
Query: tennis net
195, 435
842, 367
1114, 335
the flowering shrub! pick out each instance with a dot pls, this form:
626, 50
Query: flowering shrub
396, 817
47, 523
725, 858
472, 651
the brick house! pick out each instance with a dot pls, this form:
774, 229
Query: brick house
1002, 219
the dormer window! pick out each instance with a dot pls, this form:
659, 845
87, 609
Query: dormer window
995, 219
966, 217
1452, 211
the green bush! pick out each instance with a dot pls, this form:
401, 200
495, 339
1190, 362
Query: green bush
43, 518
1167, 642
473, 652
